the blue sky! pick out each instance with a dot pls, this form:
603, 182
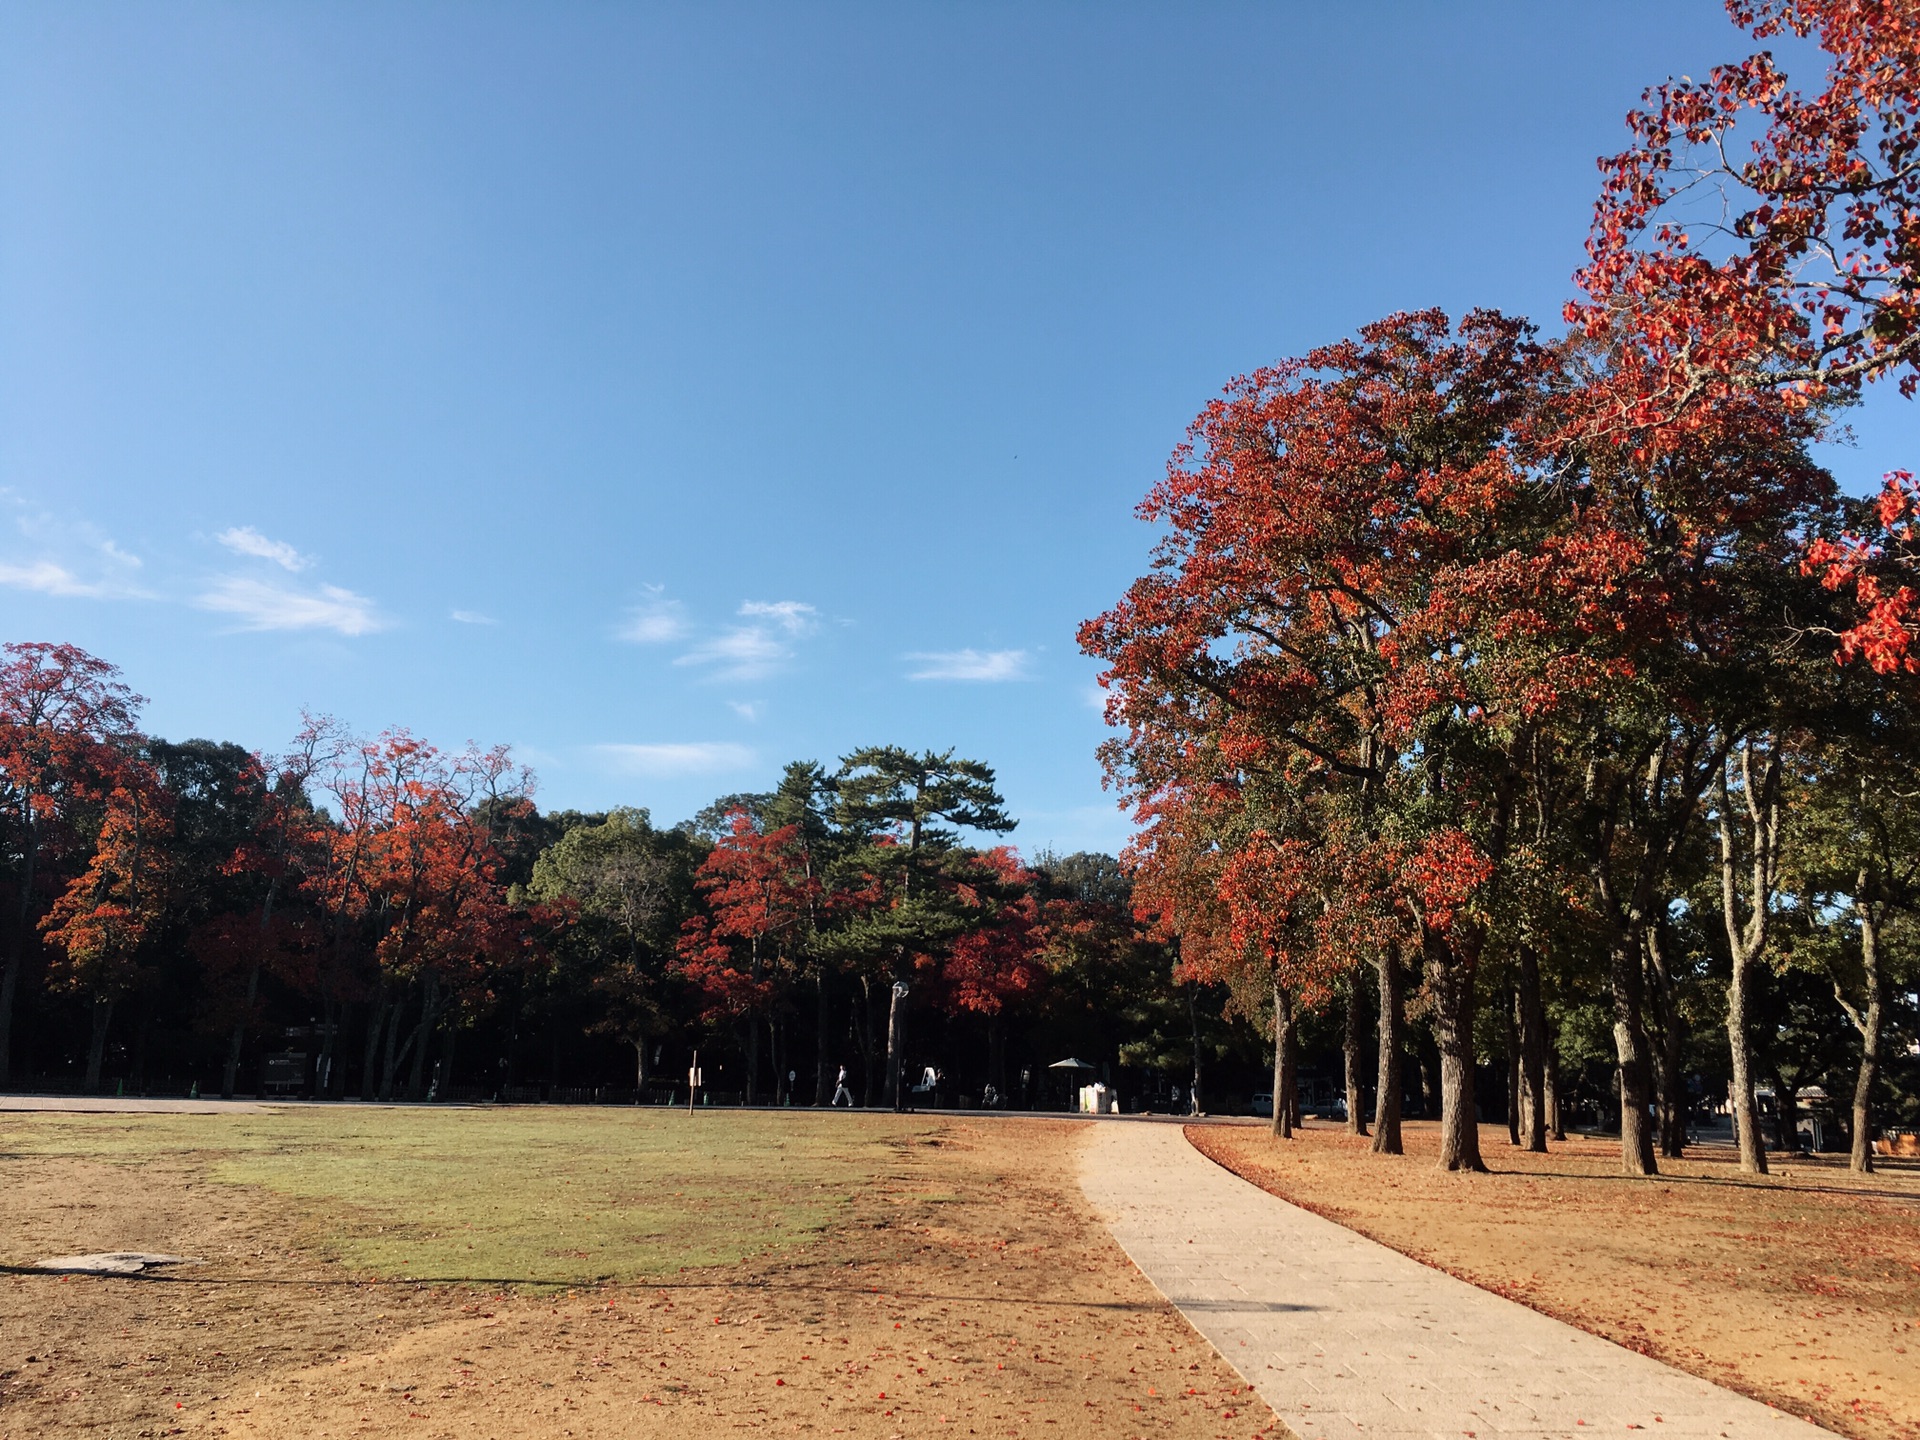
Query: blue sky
672, 391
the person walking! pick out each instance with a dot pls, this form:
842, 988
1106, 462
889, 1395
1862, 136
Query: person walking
840, 1089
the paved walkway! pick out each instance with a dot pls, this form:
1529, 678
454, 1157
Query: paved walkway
1345, 1338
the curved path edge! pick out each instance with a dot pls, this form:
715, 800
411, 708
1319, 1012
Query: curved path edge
1346, 1338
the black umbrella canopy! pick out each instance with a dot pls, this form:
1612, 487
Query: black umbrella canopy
1072, 1064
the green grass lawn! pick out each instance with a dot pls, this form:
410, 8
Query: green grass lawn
522, 1196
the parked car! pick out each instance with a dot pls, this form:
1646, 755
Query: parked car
1263, 1104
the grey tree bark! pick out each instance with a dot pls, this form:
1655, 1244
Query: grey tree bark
1867, 1020
896, 1038
1393, 1041
1747, 935
1453, 1014
1281, 1125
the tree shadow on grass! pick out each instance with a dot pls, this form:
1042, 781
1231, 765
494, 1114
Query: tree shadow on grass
604, 1282
1728, 1182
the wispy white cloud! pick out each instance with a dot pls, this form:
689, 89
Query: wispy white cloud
796, 617
245, 540
743, 652
654, 623
702, 757
473, 617
748, 710
48, 579
262, 605
969, 665
750, 652
71, 559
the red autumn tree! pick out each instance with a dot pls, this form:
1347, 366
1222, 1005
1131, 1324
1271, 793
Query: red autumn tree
67, 728
995, 961
1758, 235
1333, 623
103, 918
412, 876
761, 897
1874, 564
285, 833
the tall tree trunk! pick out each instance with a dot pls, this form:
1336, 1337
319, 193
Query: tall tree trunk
97, 1046
1292, 1077
1867, 1019
1671, 1084
1193, 1019
17, 942
1786, 1110
1393, 1039
390, 1062
1452, 981
777, 1057
1630, 1050
1426, 1055
896, 1039
1556, 1118
1747, 937
750, 1042
863, 1035
9, 984
239, 1039
137, 1081
1351, 1047
823, 1071
1281, 1125
370, 1062
1532, 1014
1510, 1023
423, 1037
323, 1063
1746, 1112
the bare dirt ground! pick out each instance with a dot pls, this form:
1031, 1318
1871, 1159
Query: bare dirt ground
1801, 1288
966, 1291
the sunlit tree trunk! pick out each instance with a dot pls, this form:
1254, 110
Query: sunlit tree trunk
1630, 1048
1281, 1125
1556, 1120
1453, 1014
1393, 1041
896, 1039
1867, 1019
1747, 936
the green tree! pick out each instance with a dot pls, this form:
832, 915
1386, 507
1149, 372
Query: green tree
629, 887
902, 813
